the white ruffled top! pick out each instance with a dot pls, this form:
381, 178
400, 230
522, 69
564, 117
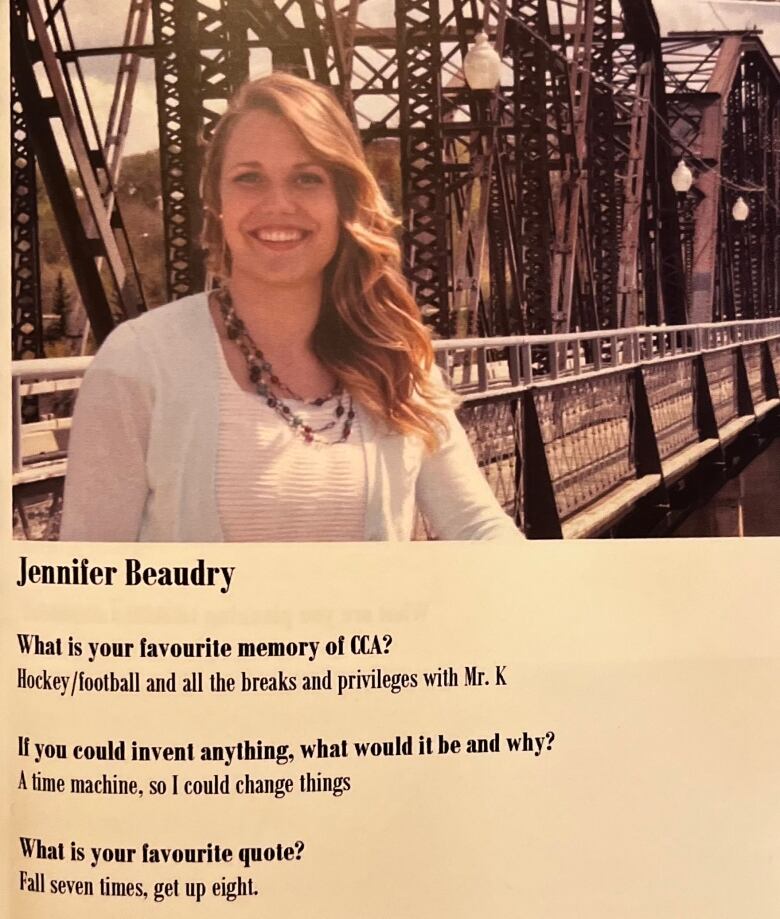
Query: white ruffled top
274, 487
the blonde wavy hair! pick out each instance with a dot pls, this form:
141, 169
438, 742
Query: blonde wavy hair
369, 333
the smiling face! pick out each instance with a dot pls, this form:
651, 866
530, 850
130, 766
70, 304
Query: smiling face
280, 215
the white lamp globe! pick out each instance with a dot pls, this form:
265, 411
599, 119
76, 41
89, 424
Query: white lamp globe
740, 210
482, 65
682, 178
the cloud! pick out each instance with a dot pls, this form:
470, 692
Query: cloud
703, 15
97, 31
142, 133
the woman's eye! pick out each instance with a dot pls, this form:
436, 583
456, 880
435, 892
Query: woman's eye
310, 178
247, 178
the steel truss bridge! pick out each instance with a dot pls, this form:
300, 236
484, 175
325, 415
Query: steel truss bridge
543, 208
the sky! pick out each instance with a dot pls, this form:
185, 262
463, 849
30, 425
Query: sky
100, 73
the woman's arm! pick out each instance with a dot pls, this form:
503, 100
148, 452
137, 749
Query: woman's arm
454, 495
106, 486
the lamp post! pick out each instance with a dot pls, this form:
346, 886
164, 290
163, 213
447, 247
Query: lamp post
682, 178
740, 211
482, 71
742, 294
682, 181
482, 65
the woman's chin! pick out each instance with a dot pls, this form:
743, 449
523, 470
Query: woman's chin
278, 275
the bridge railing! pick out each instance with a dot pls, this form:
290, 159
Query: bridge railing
476, 366
572, 431
40, 390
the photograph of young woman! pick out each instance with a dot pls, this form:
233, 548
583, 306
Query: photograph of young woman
297, 400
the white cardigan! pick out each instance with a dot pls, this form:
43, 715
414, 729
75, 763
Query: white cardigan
142, 455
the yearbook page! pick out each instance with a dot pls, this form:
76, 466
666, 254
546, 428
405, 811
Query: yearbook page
367, 683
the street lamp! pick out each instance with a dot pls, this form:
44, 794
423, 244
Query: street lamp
682, 181
682, 178
482, 65
740, 210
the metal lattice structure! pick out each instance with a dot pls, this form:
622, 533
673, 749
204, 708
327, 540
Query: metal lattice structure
724, 104
86, 210
544, 206
27, 321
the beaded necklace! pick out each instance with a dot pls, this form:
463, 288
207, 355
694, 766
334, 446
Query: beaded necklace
262, 376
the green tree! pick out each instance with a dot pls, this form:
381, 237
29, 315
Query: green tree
57, 325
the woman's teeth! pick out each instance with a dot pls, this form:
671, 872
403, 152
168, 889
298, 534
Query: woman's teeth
279, 236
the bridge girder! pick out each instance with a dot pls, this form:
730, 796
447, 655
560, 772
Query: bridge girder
725, 111
548, 206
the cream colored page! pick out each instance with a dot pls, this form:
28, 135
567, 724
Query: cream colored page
641, 694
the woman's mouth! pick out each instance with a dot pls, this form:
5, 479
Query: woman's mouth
279, 238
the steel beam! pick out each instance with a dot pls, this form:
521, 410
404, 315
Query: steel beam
705, 244
629, 305
87, 235
533, 204
27, 321
602, 184
426, 208
573, 175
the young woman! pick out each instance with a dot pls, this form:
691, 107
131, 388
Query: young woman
298, 401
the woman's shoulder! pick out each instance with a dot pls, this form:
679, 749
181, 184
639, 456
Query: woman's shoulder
164, 330
156, 337
441, 395
176, 318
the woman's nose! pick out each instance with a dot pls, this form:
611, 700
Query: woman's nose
277, 196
